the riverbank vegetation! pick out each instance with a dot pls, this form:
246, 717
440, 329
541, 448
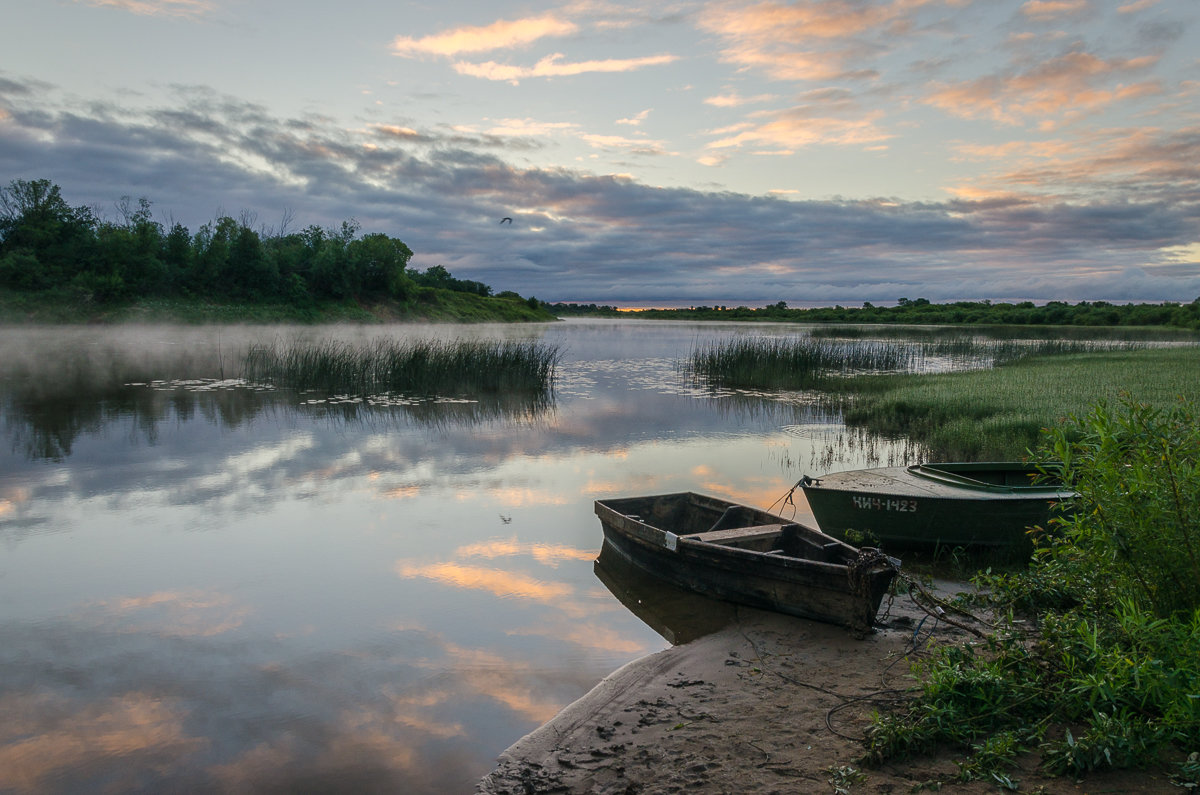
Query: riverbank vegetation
1094, 661
921, 311
816, 362
998, 414
994, 410
66, 264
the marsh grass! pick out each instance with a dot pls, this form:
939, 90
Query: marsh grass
407, 367
999, 413
807, 362
793, 363
958, 396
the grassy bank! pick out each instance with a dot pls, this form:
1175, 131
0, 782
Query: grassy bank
1000, 395
998, 413
427, 305
811, 362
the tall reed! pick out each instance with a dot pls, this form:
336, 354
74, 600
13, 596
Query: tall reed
411, 367
805, 362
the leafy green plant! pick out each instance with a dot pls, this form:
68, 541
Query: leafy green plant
1109, 741
843, 777
989, 757
1137, 517
1188, 776
1109, 674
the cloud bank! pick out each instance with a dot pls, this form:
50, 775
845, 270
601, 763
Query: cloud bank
1041, 149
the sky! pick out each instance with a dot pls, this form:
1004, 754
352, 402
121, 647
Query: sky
649, 154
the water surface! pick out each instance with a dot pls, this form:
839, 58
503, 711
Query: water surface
210, 585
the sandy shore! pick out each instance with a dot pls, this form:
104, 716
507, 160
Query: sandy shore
765, 705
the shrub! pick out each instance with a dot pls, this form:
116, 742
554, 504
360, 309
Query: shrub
1110, 676
1134, 530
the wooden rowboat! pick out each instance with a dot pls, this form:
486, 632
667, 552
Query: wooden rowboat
741, 554
930, 505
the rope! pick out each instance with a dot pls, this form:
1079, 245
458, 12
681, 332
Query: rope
787, 498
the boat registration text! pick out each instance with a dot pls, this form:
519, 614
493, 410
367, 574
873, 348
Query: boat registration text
884, 504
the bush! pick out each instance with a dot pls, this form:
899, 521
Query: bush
1134, 530
1110, 676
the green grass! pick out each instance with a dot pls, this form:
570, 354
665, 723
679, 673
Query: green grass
998, 413
410, 367
1002, 393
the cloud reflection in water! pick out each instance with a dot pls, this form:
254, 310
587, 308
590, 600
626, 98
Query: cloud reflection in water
227, 589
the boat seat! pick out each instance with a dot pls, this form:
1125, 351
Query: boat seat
813, 549
739, 536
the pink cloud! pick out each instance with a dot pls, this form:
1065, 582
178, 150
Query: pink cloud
554, 66
1137, 5
734, 100
166, 8
1048, 9
1144, 162
500, 35
807, 40
794, 129
1057, 88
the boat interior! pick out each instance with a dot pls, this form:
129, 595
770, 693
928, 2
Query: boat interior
1005, 475
700, 519
788, 540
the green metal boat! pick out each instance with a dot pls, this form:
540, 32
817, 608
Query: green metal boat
987, 504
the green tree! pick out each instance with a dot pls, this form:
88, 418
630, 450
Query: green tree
437, 277
128, 255
249, 273
379, 266
36, 221
210, 260
177, 256
328, 275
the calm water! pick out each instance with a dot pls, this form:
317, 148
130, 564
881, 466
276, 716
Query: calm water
206, 586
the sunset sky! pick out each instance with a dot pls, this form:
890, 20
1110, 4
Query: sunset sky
649, 154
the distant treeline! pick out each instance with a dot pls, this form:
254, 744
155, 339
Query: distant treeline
922, 311
47, 246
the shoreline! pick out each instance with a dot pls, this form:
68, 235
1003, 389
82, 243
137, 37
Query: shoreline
767, 704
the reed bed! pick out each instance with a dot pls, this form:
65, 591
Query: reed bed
407, 367
816, 363
999, 413
791, 363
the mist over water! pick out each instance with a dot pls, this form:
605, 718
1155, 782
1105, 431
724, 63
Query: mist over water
211, 584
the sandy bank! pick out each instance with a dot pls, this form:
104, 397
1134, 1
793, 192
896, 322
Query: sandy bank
764, 705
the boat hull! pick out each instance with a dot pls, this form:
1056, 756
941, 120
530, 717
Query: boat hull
931, 506
749, 568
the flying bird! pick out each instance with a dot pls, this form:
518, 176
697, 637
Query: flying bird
506, 219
